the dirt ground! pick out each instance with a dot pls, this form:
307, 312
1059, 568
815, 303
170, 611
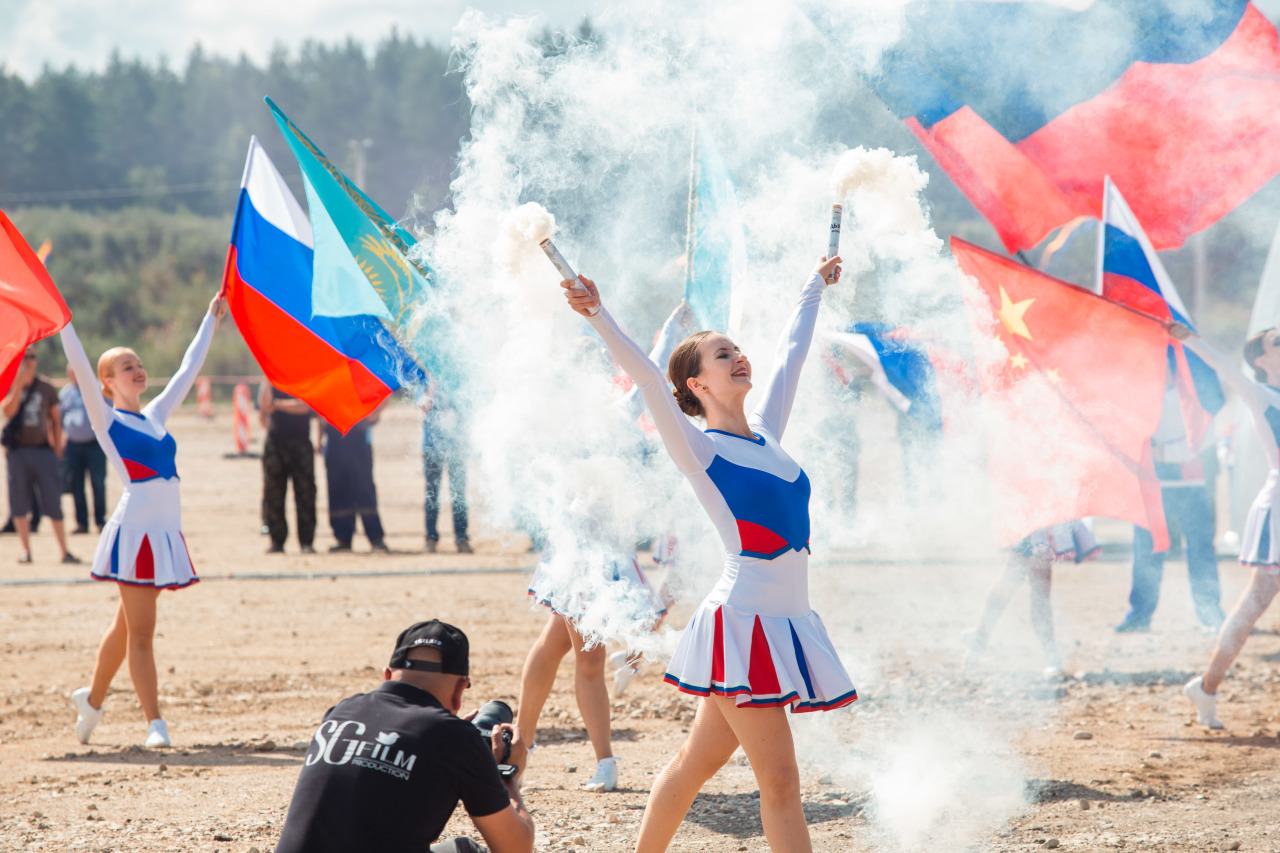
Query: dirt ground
251, 658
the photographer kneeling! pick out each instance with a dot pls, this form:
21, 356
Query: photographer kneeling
386, 769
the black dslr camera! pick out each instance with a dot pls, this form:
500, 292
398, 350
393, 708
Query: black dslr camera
489, 717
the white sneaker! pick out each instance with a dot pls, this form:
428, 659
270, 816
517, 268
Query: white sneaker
624, 674
87, 716
606, 778
157, 734
1206, 703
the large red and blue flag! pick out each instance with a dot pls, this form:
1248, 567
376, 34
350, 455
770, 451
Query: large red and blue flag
1130, 273
343, 367
1072, 387
1028, 106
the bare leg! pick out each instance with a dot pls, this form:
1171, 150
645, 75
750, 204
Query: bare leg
1262, 589
711, 742
60, 533
998, 598
111, 652
1040, 579
22, 524
766, 739
593, 697
539, 674
139, 603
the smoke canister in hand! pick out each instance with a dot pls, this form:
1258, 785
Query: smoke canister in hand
833, 241
563, 267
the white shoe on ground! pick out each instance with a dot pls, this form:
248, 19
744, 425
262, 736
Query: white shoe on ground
624, 674
157, 734
606, 778
87, 716
1206, 703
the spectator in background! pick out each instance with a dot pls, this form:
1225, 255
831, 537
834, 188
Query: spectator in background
287, 454
348, 466
81, 454
1186, 500
444, 443
33, 442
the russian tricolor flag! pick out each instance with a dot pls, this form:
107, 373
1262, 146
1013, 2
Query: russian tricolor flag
1130, 273
343, 367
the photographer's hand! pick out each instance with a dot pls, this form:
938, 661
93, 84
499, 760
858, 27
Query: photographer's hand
519, 750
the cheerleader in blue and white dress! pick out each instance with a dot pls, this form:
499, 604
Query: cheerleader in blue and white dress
598, 558
1260, 541
754, 645
141, 547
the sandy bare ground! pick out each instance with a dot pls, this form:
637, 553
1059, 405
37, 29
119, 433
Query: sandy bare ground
250, 659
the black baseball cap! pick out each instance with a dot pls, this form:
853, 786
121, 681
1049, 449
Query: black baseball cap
452, 643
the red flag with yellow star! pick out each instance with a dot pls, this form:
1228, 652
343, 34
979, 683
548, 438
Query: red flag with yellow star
1072, 387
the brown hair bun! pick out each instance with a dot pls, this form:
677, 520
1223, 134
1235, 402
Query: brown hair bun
685, 364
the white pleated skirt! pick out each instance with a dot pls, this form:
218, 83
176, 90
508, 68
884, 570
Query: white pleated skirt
142, 543
1260, 539
761, 661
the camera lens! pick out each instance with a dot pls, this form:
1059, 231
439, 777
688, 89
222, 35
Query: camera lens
492, 714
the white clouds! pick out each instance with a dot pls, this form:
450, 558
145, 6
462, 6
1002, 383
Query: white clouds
34, 33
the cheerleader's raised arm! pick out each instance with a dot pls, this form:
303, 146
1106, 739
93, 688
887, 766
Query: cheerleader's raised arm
95, 406
180, 383
688, 447
775, 407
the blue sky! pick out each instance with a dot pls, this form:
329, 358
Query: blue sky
84, 32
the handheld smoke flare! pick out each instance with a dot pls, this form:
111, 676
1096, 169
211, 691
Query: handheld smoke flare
562, 265
833, 242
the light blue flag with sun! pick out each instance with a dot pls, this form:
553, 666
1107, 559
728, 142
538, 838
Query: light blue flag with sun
362, 263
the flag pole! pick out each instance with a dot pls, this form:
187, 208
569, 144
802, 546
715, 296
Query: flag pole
1102, 234
690, 232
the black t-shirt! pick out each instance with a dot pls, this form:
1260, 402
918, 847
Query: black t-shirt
385, 771
287, 424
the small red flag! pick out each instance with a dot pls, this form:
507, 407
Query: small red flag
1072, 387
31, 307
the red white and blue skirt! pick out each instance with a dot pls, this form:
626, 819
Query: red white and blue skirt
569, 590
1260, 539
142, 543
761, 661
1070, 541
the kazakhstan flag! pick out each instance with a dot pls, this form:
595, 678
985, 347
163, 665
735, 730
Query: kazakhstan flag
378, 246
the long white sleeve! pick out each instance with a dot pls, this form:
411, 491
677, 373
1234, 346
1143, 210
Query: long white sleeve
632, 402
793, 347
1256, 396
176, 391
100, 417
689, 448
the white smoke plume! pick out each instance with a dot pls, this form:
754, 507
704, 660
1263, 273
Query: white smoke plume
597, 132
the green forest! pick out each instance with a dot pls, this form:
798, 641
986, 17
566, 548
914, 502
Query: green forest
132, 174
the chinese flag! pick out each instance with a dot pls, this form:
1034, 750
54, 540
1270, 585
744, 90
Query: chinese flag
1072, 387
30, 306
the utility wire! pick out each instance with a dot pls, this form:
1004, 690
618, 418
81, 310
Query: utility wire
122, 192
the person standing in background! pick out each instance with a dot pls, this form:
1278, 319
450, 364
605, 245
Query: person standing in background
1186, 501
81, 454
33, 443
287, 454
348, 467
444, 443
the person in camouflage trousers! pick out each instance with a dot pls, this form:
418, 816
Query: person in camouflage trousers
287, 454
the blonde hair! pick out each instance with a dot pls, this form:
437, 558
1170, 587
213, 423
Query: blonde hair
107, 367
